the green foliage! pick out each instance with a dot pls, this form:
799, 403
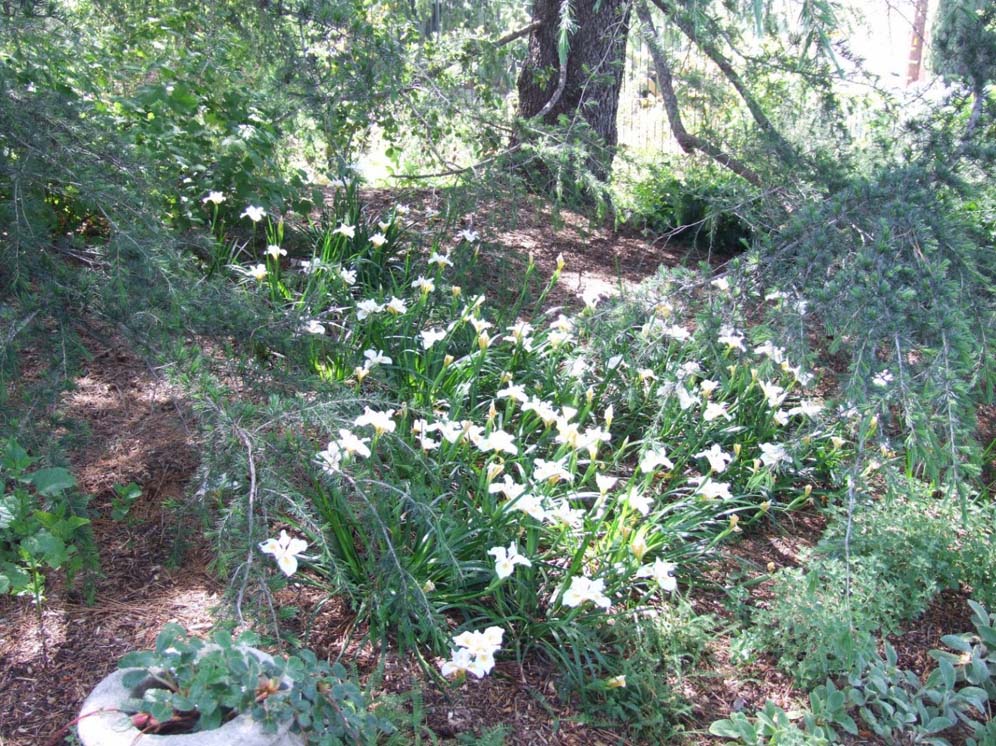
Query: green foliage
195, 685
900, 708
894, 703
42, 525
771, 725
963, 43
930, 545
175, 105
120, 119
974, 656
902, 550
898, 277
125, 496
821, 619
654, 651
696, 203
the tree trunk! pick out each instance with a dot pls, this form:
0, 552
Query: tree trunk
916, 42
589, 87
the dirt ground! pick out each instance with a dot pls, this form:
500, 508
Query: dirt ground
138, 432
141, 430
599, 261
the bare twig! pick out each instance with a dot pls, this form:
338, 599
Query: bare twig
247, 442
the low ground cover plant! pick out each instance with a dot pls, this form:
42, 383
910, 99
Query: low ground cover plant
871, 574
897, 705
43, 525
189, 685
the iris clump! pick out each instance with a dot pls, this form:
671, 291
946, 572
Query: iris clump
467, 468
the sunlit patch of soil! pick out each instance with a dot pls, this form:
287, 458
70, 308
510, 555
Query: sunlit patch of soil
138, 432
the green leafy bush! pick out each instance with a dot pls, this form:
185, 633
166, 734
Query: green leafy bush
901, 550
189, 685
900, 708
42, 526
815, 627
770, 725
926, 543
654, 650
896, 704
701, 204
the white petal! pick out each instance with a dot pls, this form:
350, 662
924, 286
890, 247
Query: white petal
287, 563
504, 568
270, 546
297, 546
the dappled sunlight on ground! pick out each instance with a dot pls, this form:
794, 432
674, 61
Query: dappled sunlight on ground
137, 433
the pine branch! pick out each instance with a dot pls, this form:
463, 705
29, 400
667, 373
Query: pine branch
686, 140
783, 148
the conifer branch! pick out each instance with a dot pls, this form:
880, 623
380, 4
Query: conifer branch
686, 140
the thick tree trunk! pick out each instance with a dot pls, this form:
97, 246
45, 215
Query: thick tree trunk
589, 87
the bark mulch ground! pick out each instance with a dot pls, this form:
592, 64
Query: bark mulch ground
137, 433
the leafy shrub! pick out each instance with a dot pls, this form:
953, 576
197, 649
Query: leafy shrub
902, 550
815, 627
900, 708
653, 650
187, 685
894, 703
701, 204
926, 543
770, 725
42, 526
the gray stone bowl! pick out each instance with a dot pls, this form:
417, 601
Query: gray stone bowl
100, 725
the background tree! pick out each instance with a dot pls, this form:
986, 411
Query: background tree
965, 48
574, 67
917, 41
573, 72
790, 45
